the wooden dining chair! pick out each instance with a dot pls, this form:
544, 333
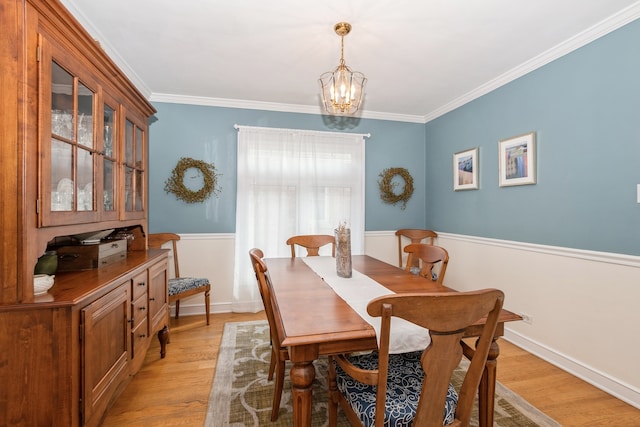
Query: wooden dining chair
279, 355
181, 287
379, 387
414, 235
312, 243
426, 257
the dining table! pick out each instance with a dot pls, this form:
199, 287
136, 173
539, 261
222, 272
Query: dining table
314, 318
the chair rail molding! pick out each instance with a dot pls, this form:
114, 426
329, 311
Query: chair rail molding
606, 257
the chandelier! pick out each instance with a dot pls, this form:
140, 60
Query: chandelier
342, 89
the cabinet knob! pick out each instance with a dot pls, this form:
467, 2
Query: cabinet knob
142, 308
132, 320
152, 299
142, 335
142, 284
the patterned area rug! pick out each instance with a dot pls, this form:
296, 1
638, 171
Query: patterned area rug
241, 395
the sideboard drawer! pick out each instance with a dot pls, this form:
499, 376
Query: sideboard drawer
139, 285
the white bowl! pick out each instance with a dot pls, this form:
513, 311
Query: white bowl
42, 283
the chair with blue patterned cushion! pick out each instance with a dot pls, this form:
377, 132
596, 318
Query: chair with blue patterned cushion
414, 389
423, 258
181, 287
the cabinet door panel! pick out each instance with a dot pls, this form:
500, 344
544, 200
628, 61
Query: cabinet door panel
105, 348
158, 296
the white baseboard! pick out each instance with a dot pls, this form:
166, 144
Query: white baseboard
198, 309
604, 382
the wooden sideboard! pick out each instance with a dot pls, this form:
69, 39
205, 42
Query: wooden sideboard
68, 354
73, 149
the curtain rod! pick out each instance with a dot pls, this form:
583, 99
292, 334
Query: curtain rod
240, 127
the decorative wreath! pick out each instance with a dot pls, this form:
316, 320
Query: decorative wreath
388, 186
175, 183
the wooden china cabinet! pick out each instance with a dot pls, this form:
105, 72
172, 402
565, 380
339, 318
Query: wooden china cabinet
73, 152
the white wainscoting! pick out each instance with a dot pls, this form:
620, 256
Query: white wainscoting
583, 304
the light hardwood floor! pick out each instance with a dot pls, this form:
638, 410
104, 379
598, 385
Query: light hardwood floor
174, 391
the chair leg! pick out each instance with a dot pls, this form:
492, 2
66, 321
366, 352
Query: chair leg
207, 309
177, 308
277, 391
333, 389
272, 364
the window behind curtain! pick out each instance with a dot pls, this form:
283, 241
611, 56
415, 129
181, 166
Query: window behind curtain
293, 182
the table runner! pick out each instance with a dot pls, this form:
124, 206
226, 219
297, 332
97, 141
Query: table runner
357, 291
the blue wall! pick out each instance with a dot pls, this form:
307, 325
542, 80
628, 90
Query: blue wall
207, 133
585, 110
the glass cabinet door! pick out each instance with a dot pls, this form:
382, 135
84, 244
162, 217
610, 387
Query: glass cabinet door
70, 173
134, 169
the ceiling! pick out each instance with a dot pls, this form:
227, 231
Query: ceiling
422, 58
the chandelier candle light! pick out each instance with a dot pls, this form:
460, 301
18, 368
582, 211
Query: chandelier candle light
342, 89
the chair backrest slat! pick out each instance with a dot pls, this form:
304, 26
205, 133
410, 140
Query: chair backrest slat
312, 243
415, 235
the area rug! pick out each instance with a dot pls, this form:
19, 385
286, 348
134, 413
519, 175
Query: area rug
241, 395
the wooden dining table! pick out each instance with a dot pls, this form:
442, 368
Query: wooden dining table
313, 321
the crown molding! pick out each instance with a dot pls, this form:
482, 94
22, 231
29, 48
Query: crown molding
272, 106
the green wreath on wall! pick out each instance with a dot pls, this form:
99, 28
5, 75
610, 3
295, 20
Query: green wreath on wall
210, 185
388, 186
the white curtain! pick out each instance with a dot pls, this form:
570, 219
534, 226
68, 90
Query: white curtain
293, 182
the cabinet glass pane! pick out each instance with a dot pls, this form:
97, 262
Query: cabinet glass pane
128, 189
61, 176
109, 186
139, 190
85, 115
85, 180
128, 146
109, 126
62, 123
138, 147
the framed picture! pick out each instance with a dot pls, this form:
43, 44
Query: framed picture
517, 160
465, 170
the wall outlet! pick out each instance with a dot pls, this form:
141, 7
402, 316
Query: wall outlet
527, 318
